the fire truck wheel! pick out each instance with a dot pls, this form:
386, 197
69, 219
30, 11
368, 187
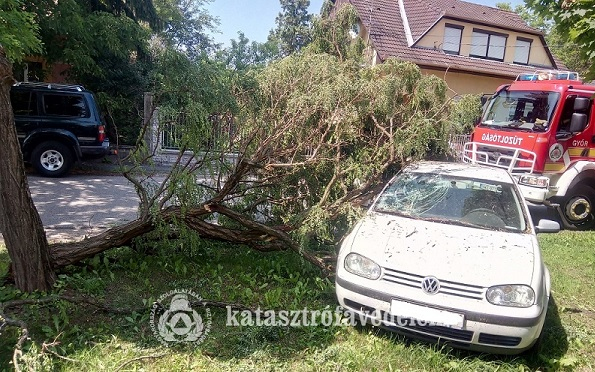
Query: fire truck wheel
578, 207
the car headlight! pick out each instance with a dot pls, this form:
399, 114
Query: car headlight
535, 181
511, 295
362, 266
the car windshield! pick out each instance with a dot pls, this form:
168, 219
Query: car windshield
521, 110
448, 199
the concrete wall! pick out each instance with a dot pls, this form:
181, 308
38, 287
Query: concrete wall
463, 83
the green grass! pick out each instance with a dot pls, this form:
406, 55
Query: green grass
127, 278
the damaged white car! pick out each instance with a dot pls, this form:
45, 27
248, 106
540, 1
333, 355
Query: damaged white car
447, 252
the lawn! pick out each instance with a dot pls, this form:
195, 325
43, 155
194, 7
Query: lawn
68, 336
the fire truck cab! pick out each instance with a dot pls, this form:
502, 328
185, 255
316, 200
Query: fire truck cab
541, 128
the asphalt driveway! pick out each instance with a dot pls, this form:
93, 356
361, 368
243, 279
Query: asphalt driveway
81, 204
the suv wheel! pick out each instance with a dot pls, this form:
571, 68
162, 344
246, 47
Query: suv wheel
52, 159
578, 207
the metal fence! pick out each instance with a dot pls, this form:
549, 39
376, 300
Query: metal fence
457, 145
176, 129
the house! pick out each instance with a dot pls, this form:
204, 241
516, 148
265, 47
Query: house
36, 68
475, 48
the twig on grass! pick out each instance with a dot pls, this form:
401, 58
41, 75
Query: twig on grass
151, 356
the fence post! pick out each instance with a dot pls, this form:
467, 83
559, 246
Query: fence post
151, 137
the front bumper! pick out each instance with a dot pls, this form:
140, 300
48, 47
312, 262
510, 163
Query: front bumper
481, 332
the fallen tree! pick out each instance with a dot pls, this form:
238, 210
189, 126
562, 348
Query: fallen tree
294, 151
315, 138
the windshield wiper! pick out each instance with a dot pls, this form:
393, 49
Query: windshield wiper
517, 125
466, 224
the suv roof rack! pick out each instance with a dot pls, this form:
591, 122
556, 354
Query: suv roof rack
75, 87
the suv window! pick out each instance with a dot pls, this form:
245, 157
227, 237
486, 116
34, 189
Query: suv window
23, 103
65, 105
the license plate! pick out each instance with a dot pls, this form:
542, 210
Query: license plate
426, 314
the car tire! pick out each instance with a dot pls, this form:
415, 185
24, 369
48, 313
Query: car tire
578, 207
52, 159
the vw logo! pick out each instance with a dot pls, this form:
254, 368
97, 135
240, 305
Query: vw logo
430, 285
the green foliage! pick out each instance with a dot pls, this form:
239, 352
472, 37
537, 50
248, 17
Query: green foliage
19, 34
464, 113
137, 10
87, 338
334, 35
293, 30
179, 82
106, 52
358, 124
185, 26
242, 54
188, 93
559, 41
569, 53
575, 20
106, 44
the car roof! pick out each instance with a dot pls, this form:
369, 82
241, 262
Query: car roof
466, 170
49, 87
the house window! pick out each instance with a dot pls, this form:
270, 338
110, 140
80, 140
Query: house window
521, 50
488, 45
30, 71
452, 38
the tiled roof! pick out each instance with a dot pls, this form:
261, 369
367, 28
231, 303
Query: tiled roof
387, 33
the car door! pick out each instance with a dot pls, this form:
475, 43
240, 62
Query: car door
25, 107
577, 146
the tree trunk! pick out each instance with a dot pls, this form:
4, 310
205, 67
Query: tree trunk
64, 254
19, 221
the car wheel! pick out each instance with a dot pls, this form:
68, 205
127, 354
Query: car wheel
52, 159
578, 208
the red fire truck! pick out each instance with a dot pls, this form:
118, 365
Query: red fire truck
541, 128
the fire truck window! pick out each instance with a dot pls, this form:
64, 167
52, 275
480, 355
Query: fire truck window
566, 114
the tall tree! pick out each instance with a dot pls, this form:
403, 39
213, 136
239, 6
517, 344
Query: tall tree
137, 10
293, 30
573, 19
243, 54
560, 43
333, 35
185, 26
19, 221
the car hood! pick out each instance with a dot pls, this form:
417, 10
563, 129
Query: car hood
449, 252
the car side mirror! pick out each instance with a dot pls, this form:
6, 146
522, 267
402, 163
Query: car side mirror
578, 123
547, 226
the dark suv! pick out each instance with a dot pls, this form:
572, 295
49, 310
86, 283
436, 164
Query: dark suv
57, 124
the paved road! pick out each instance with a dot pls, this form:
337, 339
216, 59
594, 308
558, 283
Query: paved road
80, 205
83, 204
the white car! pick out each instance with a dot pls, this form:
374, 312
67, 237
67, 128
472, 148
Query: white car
448, 252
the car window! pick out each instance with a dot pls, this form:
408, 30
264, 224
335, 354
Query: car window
482, 203
23, 103
65, 105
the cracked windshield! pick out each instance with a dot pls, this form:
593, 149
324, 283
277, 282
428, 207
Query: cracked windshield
448, 199
520, 110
